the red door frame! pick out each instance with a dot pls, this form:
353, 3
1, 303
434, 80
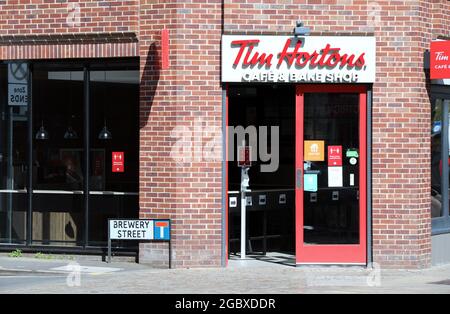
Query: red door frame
331, 254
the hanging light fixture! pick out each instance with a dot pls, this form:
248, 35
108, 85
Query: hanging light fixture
70, 134
42, 134
104, 133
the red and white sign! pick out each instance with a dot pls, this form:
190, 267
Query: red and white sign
288, 59
440, 60
244, 159
334, 156
118, 162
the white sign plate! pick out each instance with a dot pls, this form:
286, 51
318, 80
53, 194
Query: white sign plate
131, 229
17, 73
288, 59
335, 177
17, 84
17, 95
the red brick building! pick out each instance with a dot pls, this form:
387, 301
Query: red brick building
113, 56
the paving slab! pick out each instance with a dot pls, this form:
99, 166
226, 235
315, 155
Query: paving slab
250, 276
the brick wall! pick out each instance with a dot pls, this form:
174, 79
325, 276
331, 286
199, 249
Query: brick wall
181, 98
67, 16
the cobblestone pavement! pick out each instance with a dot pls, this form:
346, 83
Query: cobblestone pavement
251, 276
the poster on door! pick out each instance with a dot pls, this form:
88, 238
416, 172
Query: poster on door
335, 179
314, 151
334, 156
118, 162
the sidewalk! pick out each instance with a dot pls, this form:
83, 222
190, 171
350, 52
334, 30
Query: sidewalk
30, 275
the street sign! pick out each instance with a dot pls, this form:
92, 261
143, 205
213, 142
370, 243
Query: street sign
18, 84
17, 95
131, 230
118, 162
139, 230
162, 230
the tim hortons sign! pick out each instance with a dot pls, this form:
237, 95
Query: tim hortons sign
440, 60
285, 59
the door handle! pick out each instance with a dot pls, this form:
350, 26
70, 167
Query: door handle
298, 178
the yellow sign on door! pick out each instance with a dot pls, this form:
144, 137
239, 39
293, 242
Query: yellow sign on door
314, 151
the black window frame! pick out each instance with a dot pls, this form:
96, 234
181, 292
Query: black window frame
87, 65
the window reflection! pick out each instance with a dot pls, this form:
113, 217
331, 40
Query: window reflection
58, 168
113, 106
58, 109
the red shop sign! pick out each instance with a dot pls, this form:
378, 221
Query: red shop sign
118, 162
334, 156
440, 60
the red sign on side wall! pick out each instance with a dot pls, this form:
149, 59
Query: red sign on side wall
440, 60
165, 49
334, 156
118, 162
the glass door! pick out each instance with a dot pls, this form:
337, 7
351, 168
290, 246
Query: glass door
330, 174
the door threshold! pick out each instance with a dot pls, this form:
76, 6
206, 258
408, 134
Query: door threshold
330, 264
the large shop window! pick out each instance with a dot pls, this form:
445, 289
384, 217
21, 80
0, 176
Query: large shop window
440, 161
82, 112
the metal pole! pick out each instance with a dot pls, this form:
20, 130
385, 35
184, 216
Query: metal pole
29, 235
9, 173
243, 213
109, 243
265, 230
170, 244
86, 154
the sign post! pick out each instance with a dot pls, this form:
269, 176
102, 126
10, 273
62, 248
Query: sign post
158, 230
244, 161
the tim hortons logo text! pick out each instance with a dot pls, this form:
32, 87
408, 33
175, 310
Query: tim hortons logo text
441, 57
266, 67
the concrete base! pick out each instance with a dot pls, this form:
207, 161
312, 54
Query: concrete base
440, 249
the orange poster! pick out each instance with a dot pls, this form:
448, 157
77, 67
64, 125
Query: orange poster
314, 151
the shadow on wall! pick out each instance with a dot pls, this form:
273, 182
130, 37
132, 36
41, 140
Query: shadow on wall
148, 84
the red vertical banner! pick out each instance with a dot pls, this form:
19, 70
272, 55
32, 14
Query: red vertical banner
244, 155
118, 162
164, 49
